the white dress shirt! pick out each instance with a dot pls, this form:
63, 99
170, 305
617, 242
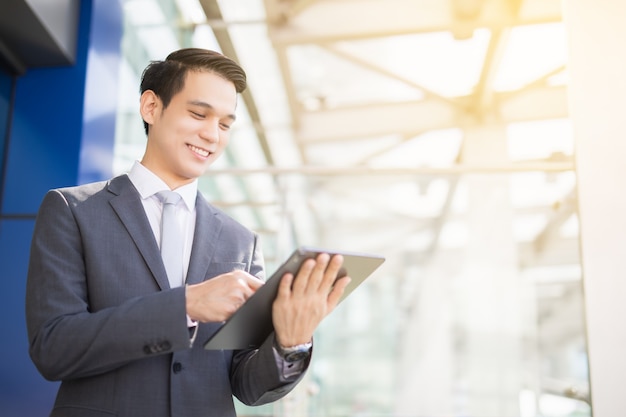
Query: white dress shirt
148, 184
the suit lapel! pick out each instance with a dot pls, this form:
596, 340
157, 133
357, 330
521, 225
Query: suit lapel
127, 205
205, 239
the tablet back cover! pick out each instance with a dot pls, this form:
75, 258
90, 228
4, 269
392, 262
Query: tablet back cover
252, 323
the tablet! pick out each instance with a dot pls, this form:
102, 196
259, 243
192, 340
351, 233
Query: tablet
251, 324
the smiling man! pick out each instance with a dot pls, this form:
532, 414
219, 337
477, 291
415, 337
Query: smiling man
104, 316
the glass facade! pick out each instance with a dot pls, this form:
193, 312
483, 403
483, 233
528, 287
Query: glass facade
478, 309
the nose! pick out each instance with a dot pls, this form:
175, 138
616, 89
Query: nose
211, 130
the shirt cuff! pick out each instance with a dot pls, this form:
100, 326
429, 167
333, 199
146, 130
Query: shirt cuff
192, 325
288, 370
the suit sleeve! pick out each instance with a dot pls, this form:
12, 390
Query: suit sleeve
67, 339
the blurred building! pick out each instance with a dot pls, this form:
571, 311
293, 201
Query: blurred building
476, 144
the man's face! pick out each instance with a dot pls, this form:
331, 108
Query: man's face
193, 131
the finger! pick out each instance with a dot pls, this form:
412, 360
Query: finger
302, 278
248, 280
332, 271
318, 273
284, 288
335, 294
247, 293
254, 283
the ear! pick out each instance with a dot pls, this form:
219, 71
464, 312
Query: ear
149, 105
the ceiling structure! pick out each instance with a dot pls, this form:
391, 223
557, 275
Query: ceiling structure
375, 93
369, 124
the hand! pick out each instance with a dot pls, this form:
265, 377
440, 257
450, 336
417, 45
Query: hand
218, 298
303, 302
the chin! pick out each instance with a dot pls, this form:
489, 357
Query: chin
197, 170
195, 175
207, 164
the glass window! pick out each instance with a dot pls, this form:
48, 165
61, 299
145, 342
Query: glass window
449, 152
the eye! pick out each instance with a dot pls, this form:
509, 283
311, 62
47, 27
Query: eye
224, 126
197, 115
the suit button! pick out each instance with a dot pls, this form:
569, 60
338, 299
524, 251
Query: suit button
177, 367
165, 346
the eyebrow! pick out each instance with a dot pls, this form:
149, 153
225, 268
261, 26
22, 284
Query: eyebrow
206, 105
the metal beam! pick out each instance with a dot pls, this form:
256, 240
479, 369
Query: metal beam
335, 21
412, 118
458, 169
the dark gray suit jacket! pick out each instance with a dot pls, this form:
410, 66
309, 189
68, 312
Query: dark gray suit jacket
102, 319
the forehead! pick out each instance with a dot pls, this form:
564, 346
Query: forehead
205, 86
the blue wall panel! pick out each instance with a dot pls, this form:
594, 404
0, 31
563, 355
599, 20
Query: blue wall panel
46, 128
23, 392
6, 83
52, 118
42, 153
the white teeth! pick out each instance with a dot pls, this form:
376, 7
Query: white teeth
199, 151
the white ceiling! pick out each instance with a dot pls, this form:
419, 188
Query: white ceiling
360, 116
433, 132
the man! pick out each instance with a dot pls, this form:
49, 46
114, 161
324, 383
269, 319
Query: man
102, 316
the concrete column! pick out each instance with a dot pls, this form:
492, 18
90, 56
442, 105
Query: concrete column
488, 309
461, 351
597, 95
425, 366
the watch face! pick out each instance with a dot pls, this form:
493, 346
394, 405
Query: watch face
296, 356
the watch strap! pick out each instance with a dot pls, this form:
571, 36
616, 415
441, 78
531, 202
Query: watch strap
294, 353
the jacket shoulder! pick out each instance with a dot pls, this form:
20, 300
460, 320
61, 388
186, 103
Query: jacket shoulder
89, 194
85, 191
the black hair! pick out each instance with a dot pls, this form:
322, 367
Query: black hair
167, 78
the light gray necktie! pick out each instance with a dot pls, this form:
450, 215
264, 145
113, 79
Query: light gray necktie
171, 238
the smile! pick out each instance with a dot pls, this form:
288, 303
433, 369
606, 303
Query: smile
199, 151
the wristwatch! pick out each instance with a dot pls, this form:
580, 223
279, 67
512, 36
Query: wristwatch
294, 353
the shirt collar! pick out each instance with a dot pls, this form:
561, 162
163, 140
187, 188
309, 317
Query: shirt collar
148, 183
